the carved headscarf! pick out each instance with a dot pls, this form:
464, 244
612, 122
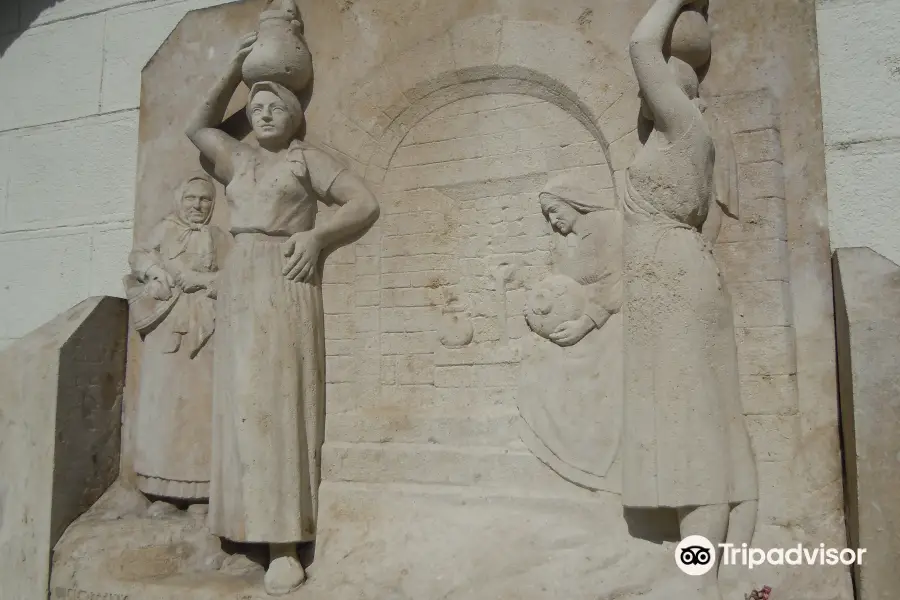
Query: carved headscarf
294, 107
187, 234
195, 320
576, 191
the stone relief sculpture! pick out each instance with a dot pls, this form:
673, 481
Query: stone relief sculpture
437, 375
269, 392
172, 290
571, 391
685, 444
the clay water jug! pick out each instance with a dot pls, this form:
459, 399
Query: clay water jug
280, 53
456, 329
557, 299
691, 39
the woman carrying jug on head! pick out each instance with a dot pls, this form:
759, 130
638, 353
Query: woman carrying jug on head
686, 446
269, 398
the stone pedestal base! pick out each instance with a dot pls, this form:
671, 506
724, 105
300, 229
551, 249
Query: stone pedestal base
414, 542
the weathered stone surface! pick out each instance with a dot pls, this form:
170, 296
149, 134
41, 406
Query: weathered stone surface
458, 115
60, 416
867, 293
379, 541
49, 167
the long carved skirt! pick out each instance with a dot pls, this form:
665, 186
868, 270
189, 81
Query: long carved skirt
268, 398
173, 414
685, 442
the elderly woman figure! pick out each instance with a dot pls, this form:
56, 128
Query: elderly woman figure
269, 396
173, 290
574, 209
686, 445
570, 393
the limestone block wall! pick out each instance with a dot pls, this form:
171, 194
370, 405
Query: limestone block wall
754, 257
860, 78
69, 88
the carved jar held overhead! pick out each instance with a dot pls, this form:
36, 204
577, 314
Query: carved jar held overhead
280, 53
691, 40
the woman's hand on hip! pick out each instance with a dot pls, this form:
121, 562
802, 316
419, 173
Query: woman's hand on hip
301, 253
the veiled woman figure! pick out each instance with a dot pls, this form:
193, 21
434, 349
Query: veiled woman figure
269, 395
570, 392
686, 445
172, 290
574, 209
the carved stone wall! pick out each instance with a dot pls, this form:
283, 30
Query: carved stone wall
460, 197
460, 203
753, 256
60, 423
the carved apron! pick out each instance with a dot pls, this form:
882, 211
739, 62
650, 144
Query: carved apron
685, 442
269, 393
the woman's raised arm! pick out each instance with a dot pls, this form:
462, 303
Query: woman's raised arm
202, 128
673, 112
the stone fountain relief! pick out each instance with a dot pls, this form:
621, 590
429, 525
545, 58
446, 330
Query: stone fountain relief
453, 322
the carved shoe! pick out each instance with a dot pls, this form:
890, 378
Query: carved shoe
284, 575
161, 510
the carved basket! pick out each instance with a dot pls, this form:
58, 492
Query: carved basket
145, 311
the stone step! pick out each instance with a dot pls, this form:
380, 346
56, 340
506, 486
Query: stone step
350, 491
512, 469
490, 426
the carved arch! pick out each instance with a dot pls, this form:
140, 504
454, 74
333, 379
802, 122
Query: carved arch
481, 56
476, 81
